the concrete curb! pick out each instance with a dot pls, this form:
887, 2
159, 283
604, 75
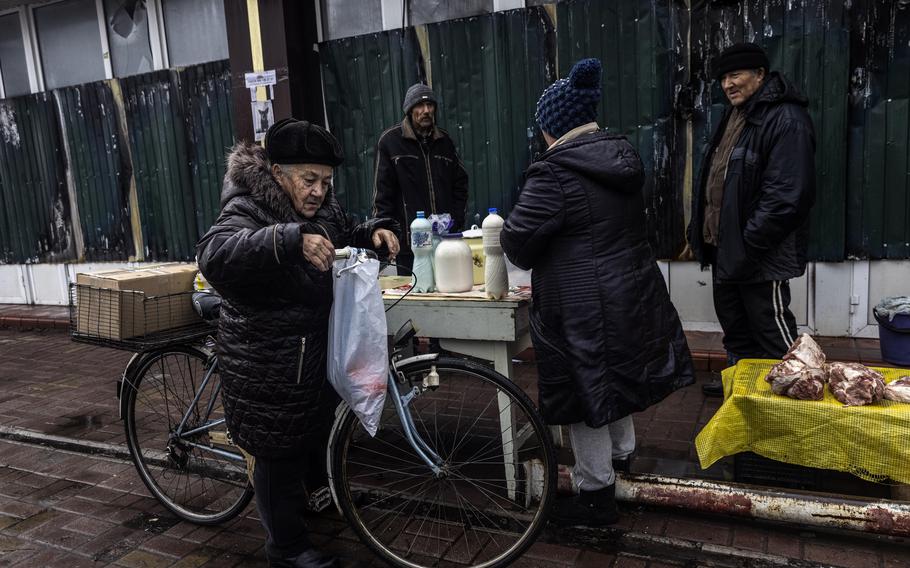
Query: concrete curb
14, 434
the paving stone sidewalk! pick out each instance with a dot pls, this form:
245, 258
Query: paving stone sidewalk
66, 509
59, 508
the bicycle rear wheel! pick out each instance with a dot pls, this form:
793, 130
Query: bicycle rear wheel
499, 472
195, 483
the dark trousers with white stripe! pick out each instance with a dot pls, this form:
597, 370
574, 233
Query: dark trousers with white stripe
756, 318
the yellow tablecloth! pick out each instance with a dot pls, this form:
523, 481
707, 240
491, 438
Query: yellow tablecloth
872, 442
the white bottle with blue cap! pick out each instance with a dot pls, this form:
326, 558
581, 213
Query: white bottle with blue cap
496, 275
422, 247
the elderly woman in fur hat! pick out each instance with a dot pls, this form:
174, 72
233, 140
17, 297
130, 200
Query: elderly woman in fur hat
269, 255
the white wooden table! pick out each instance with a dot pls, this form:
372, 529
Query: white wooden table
494, 330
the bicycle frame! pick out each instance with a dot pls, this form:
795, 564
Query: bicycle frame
429, 457
184, 436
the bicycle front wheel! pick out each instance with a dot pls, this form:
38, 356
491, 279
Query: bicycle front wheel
199, 476
497, 480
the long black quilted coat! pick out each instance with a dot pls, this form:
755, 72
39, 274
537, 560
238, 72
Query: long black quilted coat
607, 338
272, 335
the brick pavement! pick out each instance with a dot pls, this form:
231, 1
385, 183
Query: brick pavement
59, 388
61, 508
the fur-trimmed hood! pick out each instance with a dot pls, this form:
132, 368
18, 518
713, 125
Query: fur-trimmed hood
249, 173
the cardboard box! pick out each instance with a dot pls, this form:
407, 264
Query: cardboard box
134, 302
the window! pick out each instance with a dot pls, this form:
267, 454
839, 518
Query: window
195, 31
345, 18
128, 36
429, 11
70, 43
13, 68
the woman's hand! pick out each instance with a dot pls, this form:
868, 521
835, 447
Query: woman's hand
318, 251
387, 238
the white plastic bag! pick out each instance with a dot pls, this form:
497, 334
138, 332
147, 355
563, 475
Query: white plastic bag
358, 354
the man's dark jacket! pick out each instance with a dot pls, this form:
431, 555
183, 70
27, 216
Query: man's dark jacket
769, 189
411, 176
273, 330
608, 341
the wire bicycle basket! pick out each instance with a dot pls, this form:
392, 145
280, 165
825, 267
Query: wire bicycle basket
132, 320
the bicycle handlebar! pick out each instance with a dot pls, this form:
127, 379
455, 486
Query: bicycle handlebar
348, 252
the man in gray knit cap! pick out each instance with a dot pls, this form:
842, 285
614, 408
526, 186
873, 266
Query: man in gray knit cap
418, 169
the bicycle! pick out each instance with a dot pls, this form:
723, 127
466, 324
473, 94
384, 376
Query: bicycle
462, 466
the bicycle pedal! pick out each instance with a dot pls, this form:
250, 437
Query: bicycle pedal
320, 500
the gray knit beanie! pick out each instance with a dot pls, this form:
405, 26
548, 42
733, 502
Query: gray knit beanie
418, 92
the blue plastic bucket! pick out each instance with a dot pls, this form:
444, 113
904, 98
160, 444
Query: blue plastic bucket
894, 338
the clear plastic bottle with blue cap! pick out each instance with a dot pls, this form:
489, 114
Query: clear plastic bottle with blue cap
422, 247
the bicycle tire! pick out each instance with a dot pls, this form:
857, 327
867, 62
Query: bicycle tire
387, 493
197, 486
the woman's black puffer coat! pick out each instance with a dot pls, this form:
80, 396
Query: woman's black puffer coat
273, 330
607, 339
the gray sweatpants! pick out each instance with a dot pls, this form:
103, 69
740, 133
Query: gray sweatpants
595, 449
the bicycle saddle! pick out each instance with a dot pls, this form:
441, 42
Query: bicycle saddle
207, 305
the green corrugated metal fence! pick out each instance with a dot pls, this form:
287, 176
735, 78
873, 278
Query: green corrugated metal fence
206, 93
853, 63
99, 170
33, 193
365, 80
878, 194
487, 84
635, 42
178, 127
158, 144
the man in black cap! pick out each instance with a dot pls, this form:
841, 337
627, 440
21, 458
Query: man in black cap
750, 209
269, 255
418, 169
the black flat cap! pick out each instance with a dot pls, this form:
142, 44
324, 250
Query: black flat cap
737, 57
292, 141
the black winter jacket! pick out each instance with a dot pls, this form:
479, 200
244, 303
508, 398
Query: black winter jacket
273, 330
608, 341
769, 190
410, 176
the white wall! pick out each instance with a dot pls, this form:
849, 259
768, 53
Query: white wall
831, 299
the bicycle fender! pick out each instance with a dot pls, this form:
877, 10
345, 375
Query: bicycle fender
340, 411
130, 369
416, 359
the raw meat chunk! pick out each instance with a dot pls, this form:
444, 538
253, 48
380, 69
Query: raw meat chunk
795, 380
854, 384
807, 351
898, 390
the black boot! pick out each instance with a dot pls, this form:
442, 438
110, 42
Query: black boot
589, 508
311, 558
713, 389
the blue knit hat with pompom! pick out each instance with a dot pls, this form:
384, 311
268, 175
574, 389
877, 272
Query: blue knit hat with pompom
571, 102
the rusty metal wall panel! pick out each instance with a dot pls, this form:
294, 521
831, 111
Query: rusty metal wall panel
209, 125
100, 171
35, 218
365, 80
808, 41
159, 151
637, 43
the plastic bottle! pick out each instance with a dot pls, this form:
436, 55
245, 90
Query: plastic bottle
495, 273
422, 247
453, 264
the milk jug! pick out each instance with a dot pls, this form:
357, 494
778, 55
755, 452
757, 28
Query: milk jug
495, 273
454, 268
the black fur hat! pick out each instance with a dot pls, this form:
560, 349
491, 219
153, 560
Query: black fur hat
292, 141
